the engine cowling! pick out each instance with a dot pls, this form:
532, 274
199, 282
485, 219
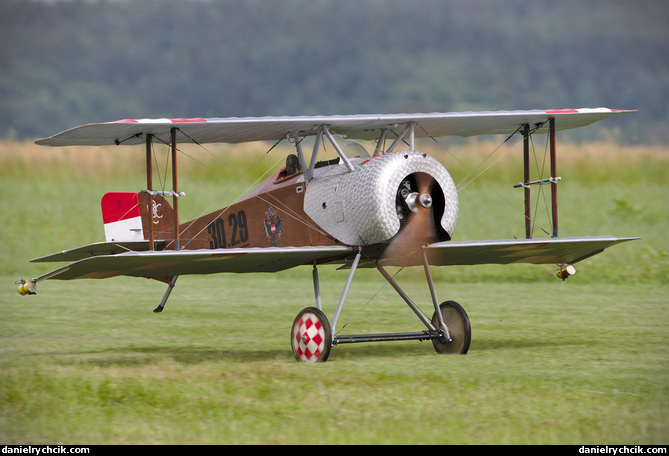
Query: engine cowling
370, 204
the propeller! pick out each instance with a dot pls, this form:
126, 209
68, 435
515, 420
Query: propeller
419, 230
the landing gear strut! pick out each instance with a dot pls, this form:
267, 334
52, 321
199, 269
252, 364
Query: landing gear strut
312, 336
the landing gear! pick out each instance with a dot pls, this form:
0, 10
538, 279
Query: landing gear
311, 336
459, 329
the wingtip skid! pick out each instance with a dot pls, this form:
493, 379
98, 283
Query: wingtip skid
27, 287
565, 271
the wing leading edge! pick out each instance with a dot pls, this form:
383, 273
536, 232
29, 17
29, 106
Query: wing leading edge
363, 126
568, 250
97, 249
161, 263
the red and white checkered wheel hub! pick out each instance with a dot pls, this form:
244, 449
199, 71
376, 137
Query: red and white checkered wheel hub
311, 336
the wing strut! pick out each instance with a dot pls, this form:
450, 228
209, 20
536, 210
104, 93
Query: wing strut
175, 187
551, 133
553, 180
341, 154
149, 185
175, 197
526, 179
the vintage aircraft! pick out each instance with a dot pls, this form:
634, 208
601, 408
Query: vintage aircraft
395, 207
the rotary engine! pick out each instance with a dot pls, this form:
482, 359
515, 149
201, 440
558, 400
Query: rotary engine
381, 197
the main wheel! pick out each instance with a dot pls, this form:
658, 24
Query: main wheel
311, 336
459, 329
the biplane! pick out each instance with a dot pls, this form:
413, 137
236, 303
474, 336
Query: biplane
395, 206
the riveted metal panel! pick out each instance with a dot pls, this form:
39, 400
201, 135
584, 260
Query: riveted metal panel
358, 207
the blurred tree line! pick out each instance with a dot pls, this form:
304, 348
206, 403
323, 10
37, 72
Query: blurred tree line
68, 62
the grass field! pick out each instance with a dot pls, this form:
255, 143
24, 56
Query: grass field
580, 362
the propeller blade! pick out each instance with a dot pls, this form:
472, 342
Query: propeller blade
419, 229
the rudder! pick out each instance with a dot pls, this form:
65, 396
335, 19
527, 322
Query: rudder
129, 216
121, 217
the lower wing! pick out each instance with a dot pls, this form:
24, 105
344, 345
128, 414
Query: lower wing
568, 250
165, 263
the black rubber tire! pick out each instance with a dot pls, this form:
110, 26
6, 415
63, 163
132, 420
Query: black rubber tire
459, 329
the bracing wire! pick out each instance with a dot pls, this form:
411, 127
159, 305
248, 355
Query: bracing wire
541, 194
289, 211
232, 184
473, 176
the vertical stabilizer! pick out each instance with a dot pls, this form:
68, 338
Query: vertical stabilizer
121, 217
136, 217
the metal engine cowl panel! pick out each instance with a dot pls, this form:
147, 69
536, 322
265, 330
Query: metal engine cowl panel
358, 207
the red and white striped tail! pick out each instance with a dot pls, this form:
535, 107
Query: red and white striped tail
122, 217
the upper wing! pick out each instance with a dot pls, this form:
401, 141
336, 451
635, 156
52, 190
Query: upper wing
161, 263
568, 250
364, 126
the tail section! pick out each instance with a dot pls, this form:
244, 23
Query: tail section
136, 217
122, 217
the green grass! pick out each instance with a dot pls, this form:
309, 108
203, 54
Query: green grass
549, 364
579, 362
